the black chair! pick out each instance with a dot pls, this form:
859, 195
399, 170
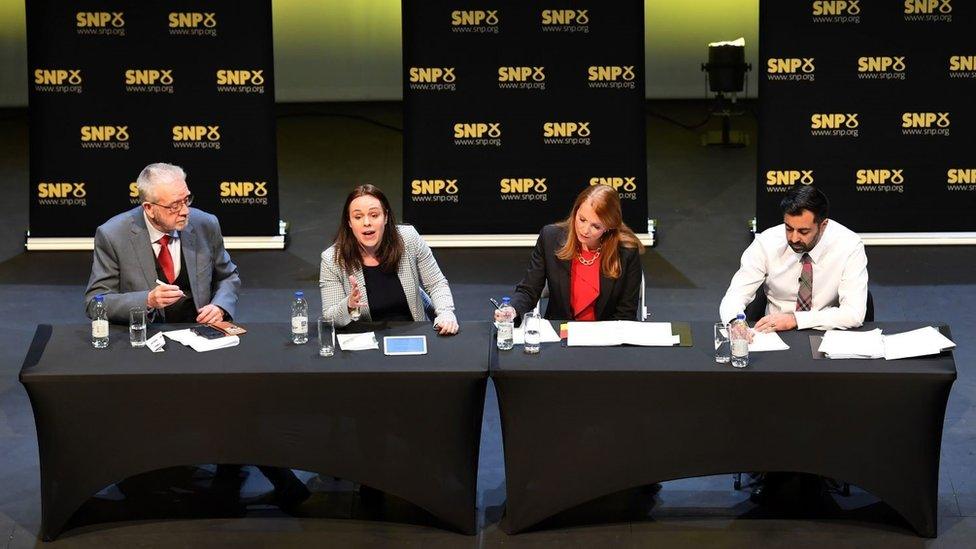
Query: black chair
756, 310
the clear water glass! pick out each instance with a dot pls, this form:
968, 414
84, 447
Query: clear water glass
531, 326
326, 336
723, 352
137, 326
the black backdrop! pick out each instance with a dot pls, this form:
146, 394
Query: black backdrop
117, 85
512, 107
873, 102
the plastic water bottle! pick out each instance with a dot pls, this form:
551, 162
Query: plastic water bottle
99, 338
299, 319
506, 325
739, 337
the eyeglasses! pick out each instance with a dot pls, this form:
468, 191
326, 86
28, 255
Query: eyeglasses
178, 205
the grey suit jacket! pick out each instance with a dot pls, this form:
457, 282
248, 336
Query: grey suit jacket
417, 270
124, 267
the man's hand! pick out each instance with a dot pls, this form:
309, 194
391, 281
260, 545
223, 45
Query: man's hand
163, 296
208, 314
354, 298
776, 323
446, 327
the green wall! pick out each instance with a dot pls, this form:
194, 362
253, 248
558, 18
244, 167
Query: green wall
346, 50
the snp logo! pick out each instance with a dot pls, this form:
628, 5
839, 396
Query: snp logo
133, 193
566, 133
879, 180
962, 66
524, 188
244, 192
565, 21
196, 137
240, 81
794, 69
961, 179
834, 124
522, 78
882, 68
474, 21
61, 194
105, 137
106, 23
925, 123
192, 23
928, 10
837, 11
611, 76
434, 190
432, 78
149, 80
478, 133
626, 187
779, 181
58, 80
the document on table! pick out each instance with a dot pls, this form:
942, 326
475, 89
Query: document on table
358, 342
621, 332
921, 342
767, 341
201, 344
546, 332
847, 344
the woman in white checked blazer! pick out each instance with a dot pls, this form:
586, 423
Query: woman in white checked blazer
381, 270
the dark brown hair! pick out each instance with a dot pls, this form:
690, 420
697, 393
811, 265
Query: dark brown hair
606, 203
348, 254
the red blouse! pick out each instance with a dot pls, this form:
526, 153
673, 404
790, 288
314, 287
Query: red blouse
584, 286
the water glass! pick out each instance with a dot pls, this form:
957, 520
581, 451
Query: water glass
137, 326
326, 336
722, 349
531, 324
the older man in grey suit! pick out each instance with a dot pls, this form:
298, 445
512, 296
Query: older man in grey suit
164, 256
170, 258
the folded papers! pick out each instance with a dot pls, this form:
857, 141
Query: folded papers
621, 332
841, 344
201, 344
358, 342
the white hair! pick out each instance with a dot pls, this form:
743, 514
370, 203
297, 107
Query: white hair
154, 174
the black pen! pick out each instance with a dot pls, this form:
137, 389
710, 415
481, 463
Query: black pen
495, 303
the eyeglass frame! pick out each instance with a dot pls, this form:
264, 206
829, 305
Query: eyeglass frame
175, 208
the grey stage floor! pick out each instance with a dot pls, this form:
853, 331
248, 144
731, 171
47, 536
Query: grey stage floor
701, 198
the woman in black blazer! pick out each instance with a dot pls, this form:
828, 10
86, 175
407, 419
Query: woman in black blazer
592, 244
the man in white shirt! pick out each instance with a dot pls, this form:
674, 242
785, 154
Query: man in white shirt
814, 270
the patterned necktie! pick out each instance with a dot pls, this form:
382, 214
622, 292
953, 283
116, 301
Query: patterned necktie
165, 260
804, 296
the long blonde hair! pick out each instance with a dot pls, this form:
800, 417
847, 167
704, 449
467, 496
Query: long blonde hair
606, 203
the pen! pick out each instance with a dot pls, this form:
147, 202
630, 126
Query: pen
495, 303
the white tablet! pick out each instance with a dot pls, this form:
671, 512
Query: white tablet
405, 345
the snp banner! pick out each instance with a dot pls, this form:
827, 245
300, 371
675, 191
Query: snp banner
873, 102
512, 107
115, 85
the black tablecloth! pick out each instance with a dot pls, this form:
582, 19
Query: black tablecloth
407, 425
582, 422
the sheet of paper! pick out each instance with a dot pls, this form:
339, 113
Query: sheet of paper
202, 344
621, 332
841, 344
358, 342
921, 342
546, 332
767, 341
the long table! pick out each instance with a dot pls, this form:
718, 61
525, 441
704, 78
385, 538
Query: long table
583, 422
407, 425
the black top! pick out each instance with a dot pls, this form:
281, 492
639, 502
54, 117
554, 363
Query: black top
385, 294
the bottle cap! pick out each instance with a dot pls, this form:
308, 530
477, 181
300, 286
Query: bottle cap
99, 298
506, 299
299, 293
740, 316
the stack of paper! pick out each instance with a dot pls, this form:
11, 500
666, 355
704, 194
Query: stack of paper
844, 344
358, 342
201, 344
922, 342
621, 332
546, 333
767, 341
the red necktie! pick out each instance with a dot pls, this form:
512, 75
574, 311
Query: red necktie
165, 260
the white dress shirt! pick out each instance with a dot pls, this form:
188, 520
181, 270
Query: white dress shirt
840, 278
174, 244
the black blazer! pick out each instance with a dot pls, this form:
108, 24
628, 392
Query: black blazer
618, 296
